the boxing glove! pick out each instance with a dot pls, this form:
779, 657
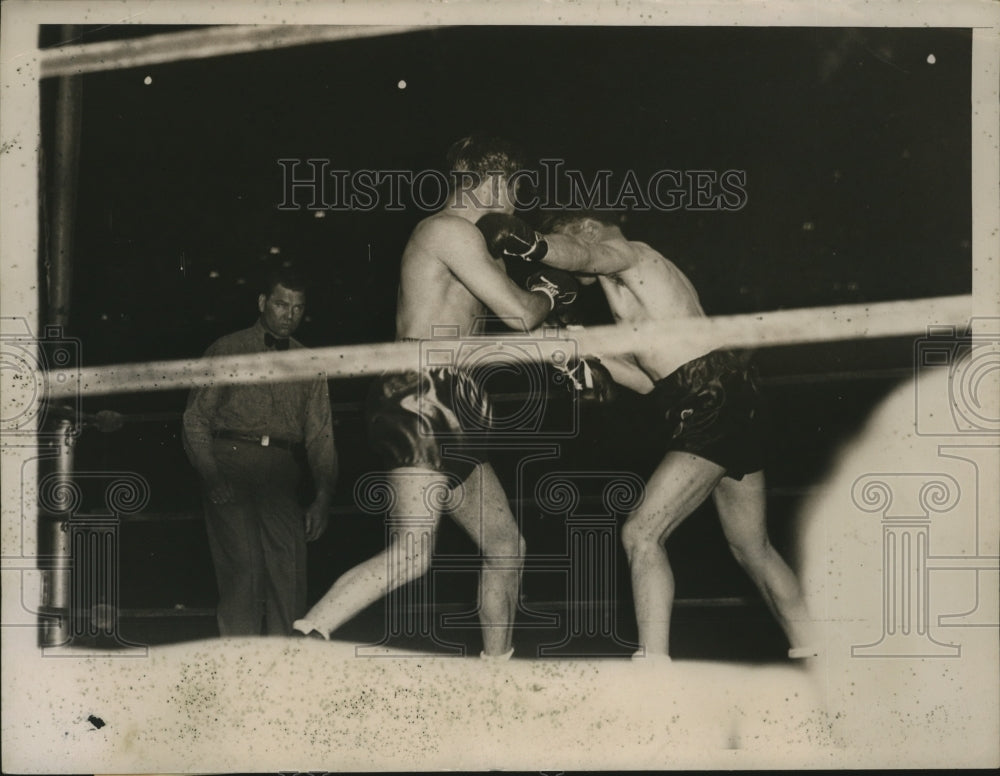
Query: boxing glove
509, 236
519, 270
590, 379
560, 286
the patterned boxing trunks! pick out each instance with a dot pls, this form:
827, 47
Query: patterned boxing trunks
428, 418
711, 407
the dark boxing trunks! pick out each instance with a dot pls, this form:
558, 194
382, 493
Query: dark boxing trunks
710, 407
427, 419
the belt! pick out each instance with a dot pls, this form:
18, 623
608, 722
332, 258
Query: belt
264, 441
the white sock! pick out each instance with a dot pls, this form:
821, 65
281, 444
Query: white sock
498, 658
306, 627
640, 654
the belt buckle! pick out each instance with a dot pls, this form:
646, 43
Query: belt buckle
265, 440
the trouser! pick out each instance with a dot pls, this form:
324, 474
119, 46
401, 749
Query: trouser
258, 541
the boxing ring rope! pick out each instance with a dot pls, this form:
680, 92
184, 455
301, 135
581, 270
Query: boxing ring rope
785, 327
197, 44
108, 421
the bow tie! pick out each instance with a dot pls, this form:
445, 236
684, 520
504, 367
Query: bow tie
278, 343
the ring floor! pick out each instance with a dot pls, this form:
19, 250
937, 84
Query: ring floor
737, 632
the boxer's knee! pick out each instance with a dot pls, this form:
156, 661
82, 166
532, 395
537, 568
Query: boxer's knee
506, 550
638, 539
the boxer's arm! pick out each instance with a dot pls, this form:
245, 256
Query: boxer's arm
460, 246
625, 371
574, 255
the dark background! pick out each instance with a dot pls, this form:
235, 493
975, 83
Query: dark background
857, 155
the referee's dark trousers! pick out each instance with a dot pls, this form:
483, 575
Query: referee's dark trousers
258, 540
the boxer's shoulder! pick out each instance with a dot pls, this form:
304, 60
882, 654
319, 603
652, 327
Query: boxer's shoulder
442, 227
